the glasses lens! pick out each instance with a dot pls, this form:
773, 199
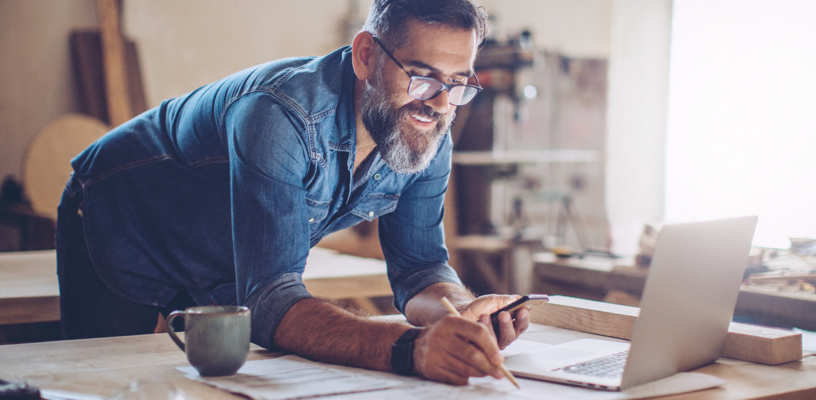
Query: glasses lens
456, 95
423, 88
461, 95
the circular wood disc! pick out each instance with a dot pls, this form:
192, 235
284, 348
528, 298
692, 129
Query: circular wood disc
47, 163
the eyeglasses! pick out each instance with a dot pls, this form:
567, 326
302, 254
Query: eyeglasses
426, 88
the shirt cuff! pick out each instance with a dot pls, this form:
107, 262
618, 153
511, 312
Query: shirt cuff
270, 303
416, 282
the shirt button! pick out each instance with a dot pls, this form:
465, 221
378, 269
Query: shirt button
377, 177
311, 219
371, 213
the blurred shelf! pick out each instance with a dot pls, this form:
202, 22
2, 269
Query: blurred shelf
525, 157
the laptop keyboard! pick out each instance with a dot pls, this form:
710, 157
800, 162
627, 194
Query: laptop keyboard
605, 367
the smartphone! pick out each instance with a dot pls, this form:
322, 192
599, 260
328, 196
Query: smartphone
529, 301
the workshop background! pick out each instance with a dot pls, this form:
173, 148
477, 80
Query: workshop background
610, 115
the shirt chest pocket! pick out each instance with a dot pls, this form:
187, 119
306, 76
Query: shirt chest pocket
316, 212
375, 205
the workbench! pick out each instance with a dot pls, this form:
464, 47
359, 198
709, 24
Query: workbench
106, 366
29, 290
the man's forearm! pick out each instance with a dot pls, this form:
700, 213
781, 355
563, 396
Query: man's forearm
426, 307
320, 331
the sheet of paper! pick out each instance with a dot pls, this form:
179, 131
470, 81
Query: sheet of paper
477, 389
292, 377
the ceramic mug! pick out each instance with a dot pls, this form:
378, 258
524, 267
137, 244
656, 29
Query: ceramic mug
217, 338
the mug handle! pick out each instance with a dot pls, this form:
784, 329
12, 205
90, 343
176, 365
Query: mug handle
171, 331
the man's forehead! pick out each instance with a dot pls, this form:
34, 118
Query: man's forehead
439, 48
422, 65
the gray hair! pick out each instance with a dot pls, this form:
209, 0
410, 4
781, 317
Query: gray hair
387, 19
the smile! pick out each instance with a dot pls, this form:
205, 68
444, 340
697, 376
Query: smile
421, 118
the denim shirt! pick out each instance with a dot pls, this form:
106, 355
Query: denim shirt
223, 191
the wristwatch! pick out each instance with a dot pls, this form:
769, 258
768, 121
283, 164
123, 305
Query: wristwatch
402, 352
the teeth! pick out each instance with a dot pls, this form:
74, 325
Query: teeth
423, 119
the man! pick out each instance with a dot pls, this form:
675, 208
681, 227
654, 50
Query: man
218, 195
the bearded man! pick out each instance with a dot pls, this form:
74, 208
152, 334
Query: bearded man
216, 197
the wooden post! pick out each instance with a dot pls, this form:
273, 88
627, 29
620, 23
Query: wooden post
113, 57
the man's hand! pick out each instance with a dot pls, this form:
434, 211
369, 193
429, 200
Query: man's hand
426, 308
510, 326
454, 349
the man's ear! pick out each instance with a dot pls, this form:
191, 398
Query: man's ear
362, 55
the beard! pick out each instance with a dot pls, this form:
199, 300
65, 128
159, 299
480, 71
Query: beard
402, 146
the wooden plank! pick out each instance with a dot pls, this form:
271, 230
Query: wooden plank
744, 342
86, 54
133, 68
29, 310
762, 345
596, 317
113, 56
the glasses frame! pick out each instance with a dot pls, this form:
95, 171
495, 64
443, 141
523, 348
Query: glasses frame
445, 86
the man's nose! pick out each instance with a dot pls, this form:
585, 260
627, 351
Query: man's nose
440, 103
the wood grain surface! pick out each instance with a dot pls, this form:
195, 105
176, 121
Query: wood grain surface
106, 366
743, 342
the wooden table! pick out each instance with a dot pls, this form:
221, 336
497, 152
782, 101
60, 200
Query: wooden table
595, 278
29, 291
28, 287
105, 366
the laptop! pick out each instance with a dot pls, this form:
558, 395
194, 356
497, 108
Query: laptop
687, 304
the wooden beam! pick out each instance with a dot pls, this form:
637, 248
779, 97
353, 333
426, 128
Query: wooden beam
762, 345
744, 342
113, 56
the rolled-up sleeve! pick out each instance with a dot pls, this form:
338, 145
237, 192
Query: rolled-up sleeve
413, 238
268, 158
270, 302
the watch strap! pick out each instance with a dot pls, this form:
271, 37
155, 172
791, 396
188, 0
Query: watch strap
402, 352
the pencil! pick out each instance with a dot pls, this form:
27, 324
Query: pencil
503, 369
